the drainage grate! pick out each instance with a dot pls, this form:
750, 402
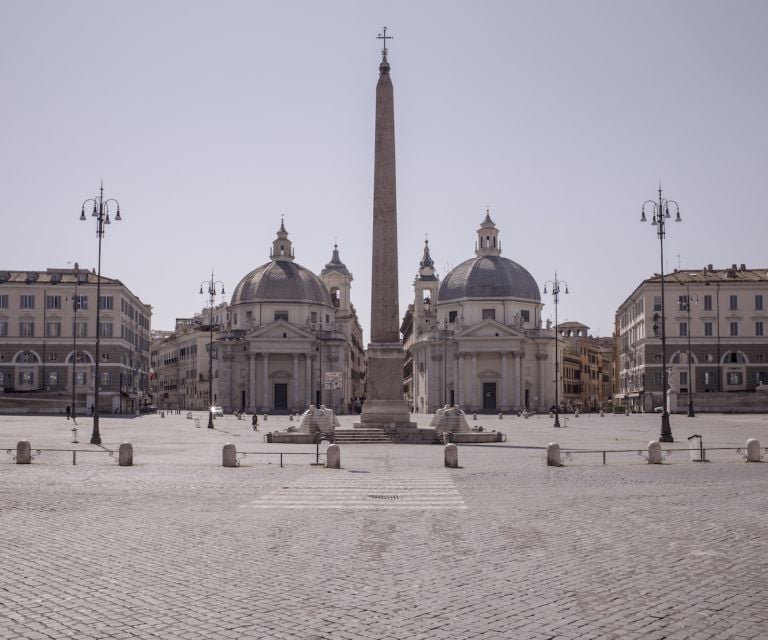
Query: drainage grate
381, 496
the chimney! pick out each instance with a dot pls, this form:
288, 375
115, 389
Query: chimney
743, 267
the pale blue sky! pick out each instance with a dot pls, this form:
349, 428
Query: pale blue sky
210, 120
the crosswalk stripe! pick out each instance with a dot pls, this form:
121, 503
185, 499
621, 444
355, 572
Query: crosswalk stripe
420, 491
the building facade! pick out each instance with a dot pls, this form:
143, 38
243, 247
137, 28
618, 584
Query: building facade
715, 328
291, 339
48, 338
475, 339
587, 368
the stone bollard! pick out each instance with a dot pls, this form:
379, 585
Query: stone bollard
229, 455
753, 450
23, 452
602, 413
654, 452
553, 455
333, 457
125, 455
501, 415
451, 456
474, 416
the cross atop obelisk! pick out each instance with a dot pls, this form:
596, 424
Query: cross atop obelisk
384, 37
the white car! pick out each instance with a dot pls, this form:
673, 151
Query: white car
217, 411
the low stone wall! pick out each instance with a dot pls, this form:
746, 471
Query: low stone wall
476, 436
725, 402
293, 437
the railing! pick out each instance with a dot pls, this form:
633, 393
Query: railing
38, 452
317, 454
698, 454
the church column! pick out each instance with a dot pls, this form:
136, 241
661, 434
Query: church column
307, 380
265, 380
474, 384
252, 381
456, 379
294, 403
416, 381
460, 395
518, 375
504, 381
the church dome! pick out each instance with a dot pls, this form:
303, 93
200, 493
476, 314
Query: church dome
281, 281
488, 277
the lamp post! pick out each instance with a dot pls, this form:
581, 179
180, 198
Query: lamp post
211, 284
101, 213
688, 300
555, 286
659, 212
76, 273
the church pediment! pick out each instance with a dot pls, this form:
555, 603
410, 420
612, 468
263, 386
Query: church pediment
488, 329
280, 330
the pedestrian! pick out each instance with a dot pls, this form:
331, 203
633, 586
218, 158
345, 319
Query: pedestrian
91, 409
255, 422
69, 411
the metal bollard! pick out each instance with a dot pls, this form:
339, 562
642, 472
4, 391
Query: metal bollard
333, 457
654, 452
451, 456
125, 455
229, 455
753, 450
553, 455
74, 435
23, 452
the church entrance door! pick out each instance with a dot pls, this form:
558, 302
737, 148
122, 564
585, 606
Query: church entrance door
281, 396
489, 396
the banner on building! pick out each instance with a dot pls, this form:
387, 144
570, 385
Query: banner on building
333, 379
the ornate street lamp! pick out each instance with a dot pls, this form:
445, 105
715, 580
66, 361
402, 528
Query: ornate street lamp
101, 213
688, 300
659, 212
555, 286
76, 273
211, 284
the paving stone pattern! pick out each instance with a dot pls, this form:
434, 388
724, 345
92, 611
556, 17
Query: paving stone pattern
179, 547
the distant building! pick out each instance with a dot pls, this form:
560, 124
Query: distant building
475, 339
722, 314
587, 368
180, 363
48, 337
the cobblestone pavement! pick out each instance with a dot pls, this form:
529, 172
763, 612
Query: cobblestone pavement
391, 546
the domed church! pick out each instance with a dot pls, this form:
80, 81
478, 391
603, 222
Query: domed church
292, 339
474, 339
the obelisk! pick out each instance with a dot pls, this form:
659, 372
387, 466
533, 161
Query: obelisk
384, 406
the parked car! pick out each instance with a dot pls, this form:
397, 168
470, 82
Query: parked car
217, 411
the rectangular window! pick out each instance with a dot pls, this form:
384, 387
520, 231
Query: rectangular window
708, 377
81, 302
489, 314
53, 377
26, 378
2, 379
682, 303
683, 329
683, 378
758, 302
3, 328
81, 328
106, 329
234, 319
4, 301
525, 315
452, 315
26, 329
657, 303
760, 377
106, 377
708, 329
657, 378
106, 302
733, 303
734, 329
708, 303
80, 378
53, 302
734, 378
313, 317
281, 315
53, 357
759, 328
53, 329
27, 302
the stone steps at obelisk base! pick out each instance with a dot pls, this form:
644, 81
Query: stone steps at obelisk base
360, 436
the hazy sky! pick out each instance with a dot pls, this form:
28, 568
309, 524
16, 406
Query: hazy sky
210, 120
